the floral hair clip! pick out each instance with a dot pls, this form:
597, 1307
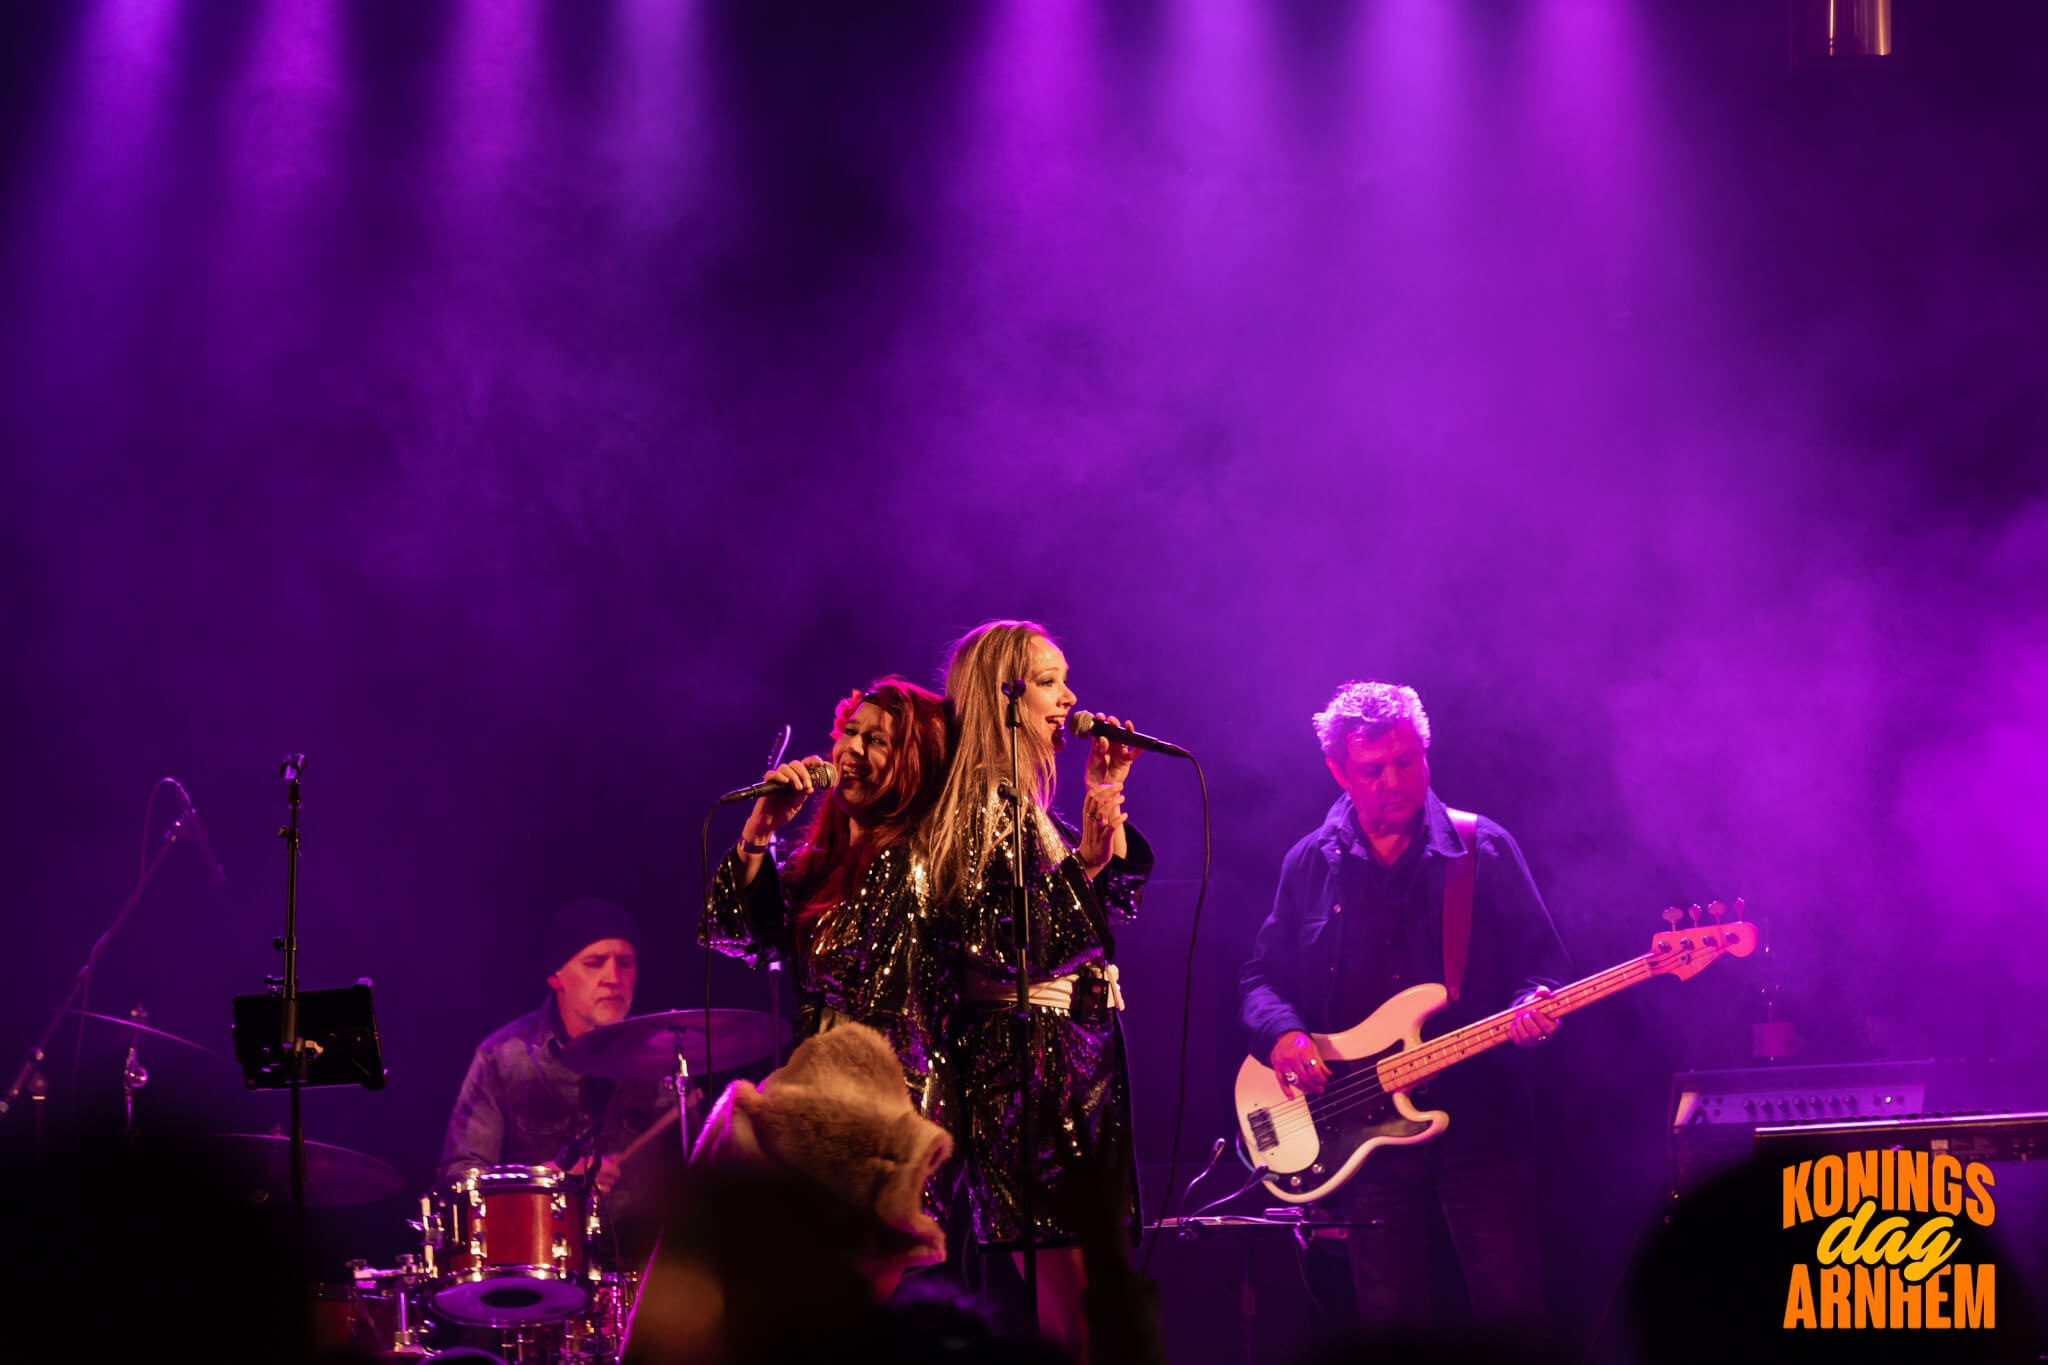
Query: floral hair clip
844, 712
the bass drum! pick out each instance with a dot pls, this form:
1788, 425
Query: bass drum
512, 1245
367, 1326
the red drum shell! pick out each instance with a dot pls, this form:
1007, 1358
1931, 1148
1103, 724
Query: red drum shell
512, 1248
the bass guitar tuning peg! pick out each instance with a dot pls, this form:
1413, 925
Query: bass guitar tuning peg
1695, 914
1717, 910
1673, 916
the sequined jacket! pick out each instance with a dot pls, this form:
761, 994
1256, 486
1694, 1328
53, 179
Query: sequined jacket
880, 958
1065, 933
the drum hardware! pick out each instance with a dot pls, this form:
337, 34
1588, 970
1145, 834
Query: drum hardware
406, 1331
384, 1312
523, 1233
429, 1227
596, 1336
134, 1075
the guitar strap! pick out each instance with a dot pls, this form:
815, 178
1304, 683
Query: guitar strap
1460, 876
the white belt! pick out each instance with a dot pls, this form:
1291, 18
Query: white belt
1056, 994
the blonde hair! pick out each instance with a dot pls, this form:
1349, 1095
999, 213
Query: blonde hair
981, 661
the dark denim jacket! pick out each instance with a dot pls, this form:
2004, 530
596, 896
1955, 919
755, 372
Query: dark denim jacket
520, 1104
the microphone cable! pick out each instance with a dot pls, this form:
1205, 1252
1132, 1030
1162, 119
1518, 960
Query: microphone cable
1187, 995
703, 908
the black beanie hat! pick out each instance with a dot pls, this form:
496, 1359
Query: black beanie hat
579, 924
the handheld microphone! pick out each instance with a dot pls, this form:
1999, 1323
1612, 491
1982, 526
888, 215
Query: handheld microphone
187, 826
1087, 725
822, 775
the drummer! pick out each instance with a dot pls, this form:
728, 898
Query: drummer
520, 1104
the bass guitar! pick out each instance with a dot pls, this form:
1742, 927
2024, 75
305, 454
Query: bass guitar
1311, 1144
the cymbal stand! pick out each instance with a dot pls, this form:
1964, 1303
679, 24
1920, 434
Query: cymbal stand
133, 1075
27, 1076
682, 1093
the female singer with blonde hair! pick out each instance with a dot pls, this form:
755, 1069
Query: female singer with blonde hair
1078, 882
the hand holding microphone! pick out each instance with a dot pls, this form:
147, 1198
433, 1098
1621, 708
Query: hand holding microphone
1087, 725
782, 792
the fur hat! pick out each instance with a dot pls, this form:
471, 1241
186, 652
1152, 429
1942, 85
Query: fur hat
839, 1114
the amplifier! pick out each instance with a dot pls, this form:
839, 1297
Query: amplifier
1715, 1113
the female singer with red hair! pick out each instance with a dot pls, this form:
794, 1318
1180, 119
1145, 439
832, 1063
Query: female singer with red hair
850, 909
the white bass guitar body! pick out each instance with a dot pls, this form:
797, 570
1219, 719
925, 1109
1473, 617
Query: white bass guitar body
1312, 1151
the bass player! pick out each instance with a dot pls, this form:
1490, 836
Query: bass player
1360, 916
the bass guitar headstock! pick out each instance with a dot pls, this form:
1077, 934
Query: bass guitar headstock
1684, 949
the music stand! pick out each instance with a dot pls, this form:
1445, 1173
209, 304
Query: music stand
339, 1028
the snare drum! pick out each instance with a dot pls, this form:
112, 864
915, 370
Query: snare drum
507, 1244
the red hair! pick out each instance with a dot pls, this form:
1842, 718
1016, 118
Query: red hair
828, 857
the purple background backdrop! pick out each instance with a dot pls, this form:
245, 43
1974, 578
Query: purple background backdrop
522, 409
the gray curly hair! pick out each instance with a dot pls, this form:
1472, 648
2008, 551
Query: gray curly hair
1369, 709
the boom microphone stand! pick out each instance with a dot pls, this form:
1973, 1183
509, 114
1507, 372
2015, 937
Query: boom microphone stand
27, 1075
1020, 921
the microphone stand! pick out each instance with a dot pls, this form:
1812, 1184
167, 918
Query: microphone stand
1020, 921
293, 1046
772, 964
27, 1074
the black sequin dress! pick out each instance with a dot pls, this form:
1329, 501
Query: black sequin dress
1079, 1082
873, 959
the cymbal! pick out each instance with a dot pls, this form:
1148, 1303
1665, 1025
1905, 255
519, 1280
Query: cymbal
645, 1048
145, 1028
334, 1175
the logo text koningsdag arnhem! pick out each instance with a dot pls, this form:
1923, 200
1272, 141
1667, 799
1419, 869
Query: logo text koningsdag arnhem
1887, 1256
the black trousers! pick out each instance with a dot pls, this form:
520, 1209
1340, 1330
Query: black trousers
1490, 1209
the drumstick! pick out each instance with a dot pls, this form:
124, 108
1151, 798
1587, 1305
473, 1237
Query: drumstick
659, 1127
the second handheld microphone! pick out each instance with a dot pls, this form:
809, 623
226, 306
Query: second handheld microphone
823, 775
